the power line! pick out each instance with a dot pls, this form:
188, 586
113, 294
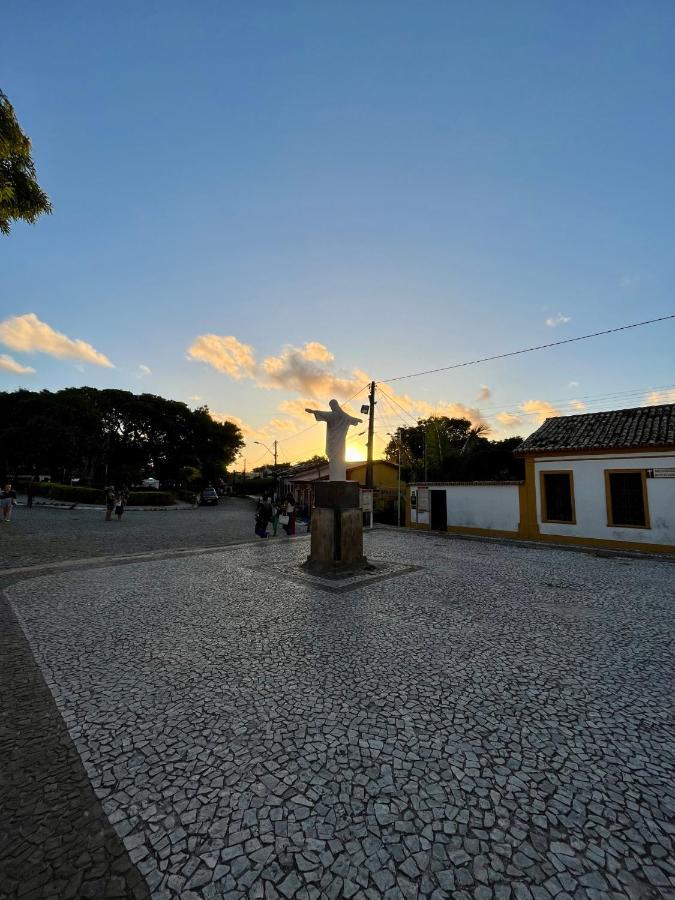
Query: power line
582, 337
592, 399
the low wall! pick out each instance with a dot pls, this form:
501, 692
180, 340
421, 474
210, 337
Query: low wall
474, 507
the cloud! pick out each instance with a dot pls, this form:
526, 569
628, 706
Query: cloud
9, 364
225, 354
484, 393
577, 404
654, 398
572, 384
508, 420
296, 408
540, 409
629, 282
308, 370
29, 335
554, 321
144, 370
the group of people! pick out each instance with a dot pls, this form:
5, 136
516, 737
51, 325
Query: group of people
115, 502
275, 511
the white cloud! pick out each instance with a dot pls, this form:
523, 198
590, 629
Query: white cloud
484, 393
9, 364
572, 384
308, 370
144, 370
655, 398
225, 354
629, 282
560, 319
540, 409
508, 420
29, 335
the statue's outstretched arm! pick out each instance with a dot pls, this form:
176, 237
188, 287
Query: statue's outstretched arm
319, 414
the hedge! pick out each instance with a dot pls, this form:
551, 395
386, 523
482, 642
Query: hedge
76, 494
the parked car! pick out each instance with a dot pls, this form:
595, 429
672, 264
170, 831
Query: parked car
152, 483
209, 497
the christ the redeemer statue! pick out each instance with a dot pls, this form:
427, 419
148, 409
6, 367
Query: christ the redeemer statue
338, 422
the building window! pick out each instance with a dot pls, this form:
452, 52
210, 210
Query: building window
557, 497
626, 491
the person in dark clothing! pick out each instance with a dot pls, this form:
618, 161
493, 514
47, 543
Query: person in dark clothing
7, 502
30, 493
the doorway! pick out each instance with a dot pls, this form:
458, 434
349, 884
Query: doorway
439, 511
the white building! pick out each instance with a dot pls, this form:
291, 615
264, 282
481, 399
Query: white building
602, 479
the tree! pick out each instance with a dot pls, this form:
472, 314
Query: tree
21, 197
453, 450
111, 436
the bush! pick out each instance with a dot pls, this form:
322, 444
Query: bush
151, 498
74, 494
69, 493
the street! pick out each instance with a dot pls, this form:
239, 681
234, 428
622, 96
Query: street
48, 534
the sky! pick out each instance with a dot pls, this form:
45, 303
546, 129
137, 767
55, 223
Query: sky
261, 206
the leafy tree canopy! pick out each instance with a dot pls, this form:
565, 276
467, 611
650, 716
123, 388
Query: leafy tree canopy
454, 450
21, 197
111, 435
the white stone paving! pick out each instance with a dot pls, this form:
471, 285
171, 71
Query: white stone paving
498, 723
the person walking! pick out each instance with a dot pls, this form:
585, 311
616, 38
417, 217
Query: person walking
7, 502
275, 516
120, 503
289, 527
110, 498
30, 493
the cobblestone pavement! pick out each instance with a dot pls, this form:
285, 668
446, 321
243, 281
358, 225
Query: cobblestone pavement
495, 724
44, 534
55, 840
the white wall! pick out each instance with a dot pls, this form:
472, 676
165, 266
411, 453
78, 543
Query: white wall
489, 506
590, 501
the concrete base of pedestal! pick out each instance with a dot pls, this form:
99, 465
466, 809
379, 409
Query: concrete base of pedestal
337, 535
337, 526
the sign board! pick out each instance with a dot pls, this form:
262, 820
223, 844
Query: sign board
665, 472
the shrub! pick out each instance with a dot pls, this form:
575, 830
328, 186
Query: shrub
74, 494
69, 493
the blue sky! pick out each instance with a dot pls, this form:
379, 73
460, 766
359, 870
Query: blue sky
408, 185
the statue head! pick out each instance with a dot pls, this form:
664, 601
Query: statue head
334, 405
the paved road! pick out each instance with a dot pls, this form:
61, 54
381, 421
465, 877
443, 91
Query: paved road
45, 535
494, 725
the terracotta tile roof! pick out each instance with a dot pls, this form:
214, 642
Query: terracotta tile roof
644, 426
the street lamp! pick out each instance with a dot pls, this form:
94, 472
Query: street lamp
397, 438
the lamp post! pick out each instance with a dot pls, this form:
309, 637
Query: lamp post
397, 438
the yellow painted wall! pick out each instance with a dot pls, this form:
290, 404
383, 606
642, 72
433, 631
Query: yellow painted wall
383, 476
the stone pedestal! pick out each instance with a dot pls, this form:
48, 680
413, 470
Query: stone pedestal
337, 526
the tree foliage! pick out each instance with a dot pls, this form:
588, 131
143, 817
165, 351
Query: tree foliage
111, 435
454, 450
21, 197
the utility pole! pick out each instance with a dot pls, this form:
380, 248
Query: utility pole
276, 486
398, 497
371, 427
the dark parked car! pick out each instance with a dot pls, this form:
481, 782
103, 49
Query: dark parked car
209, 497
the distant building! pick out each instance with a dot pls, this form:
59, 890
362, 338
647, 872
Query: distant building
300, 480
602, 479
